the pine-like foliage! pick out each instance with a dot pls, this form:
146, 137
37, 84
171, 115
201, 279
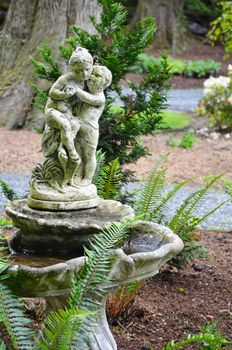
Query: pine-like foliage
116, 46
152, 203
208, 339
67, 328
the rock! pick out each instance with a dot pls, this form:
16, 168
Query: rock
227, 136
197, 28
198, 267
203, 132
214, 135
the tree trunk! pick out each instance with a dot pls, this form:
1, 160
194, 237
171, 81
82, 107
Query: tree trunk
28, 25
166, 13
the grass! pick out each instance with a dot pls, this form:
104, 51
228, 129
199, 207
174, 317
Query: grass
176, 120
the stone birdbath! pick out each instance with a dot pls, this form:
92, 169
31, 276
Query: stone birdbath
63, 209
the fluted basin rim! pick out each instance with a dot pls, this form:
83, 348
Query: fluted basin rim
56, 279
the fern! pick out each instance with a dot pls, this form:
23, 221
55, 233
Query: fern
152, 190
109, 181
209, 338
184, 213
158, 212
69, 326
13, 318
7, 191
100, 156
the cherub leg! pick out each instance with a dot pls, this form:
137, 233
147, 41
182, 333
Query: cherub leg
57, 120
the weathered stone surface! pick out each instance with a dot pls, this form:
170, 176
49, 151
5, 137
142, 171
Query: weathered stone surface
54, 282
61, 233
70, 137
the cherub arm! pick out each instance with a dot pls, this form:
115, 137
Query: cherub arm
93, 100
56, 92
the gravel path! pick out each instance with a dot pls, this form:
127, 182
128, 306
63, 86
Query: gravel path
220, 220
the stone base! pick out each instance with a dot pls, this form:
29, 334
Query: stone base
62, 206
51, 233
43, 196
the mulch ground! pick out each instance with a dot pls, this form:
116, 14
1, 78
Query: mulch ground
172, 305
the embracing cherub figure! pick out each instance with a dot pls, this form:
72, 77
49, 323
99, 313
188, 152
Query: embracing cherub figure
61, 124
90, 111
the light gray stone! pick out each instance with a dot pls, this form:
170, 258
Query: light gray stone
70, 138
61, 233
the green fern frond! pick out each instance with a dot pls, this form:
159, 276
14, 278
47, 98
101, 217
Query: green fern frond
110, 180
100, 156
150, 195
60, 327
7, 191
209, 338
186, 210
158, 213
13, 318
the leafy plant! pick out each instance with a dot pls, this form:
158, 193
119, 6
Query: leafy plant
208, 339
173, 141
188, 139
116, 46
188, 68
152, 204
217, 100
221, 27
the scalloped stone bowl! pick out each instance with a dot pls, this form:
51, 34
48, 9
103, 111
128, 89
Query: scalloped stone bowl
150, 246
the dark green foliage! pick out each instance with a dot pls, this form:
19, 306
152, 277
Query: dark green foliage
50, 70
40, 97
7, 191
117, 47
208, 339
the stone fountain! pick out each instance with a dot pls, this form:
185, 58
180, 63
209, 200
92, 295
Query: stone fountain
63, 209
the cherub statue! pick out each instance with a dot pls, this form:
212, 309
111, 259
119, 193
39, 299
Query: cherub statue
70, 138
60, 119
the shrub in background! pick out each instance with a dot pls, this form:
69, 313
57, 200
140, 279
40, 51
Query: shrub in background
187, 68
217, 100
117, 47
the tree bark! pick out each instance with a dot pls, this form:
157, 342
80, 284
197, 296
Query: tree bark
28, 25
166, 13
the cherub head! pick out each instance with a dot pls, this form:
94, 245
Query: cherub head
81, 63
100, 79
